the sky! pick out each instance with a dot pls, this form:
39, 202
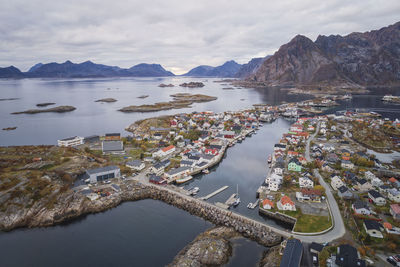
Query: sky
178, 34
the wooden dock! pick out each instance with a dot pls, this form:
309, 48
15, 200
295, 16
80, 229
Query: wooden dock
221, 205
214, 193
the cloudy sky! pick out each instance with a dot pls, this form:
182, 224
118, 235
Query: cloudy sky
179, 34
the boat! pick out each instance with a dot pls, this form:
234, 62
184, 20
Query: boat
253, 205
184, 179
269, 158
194, 191
237, 200
347, 97
206, 171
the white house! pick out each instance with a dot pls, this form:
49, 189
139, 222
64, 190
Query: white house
163, 152
347, 164
278, 170
102, 174
136, 165
376, 182
71, 141
394, 195
178, 172
376, 197
361, 207
369, 175
336, 182
373, 228
306, 182
285, 203
274, 182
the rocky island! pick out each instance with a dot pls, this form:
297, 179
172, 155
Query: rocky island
45, 104
192, 84
8, 99
166, 85
143, 96
59, 109
107, 100
9, 128
181, 100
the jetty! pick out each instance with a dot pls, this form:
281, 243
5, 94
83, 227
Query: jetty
253, 205
214, 193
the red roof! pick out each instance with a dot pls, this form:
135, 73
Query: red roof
392, 180
165, 149
267, 202
286, 200
395, 208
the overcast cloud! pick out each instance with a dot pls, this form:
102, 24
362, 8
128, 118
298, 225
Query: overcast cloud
179, 34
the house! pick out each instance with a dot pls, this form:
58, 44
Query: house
274, 182
306, 182
394, 195
178, 173
347, 164
390, 229
278, 170
373, 228
91, 139
112, 137
279, 147
136, 165
395, 211
164, 152
267, 204
102, 174
344, 192
112, 147
363, 185
156, 179
292, 253
347, 256
326, 168
285, 203
311, 194
316, 247
71, 141
159, 167
376, 197
394, 182
336, 182
187, 163
369, 175
361, 207
294, 165
376, 182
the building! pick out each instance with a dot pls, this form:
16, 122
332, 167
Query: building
305, 182
336, 182
347, 256
395, 211
376, 197
136, 165
373, 228
91, 139
294, 165
292, 253
164, 152
285, 203
112, 137
71, 141
155, 179
267, 204
361, 207
363, 185
344, 192
316, 247
159, 167
178, 173
311, 194
104, 173
347, 164
394, 195
112, 147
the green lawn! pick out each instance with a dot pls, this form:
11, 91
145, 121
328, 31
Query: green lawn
312, 223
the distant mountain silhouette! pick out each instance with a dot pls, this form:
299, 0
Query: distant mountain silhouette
251, 67
11, 72
228, 69
86, 69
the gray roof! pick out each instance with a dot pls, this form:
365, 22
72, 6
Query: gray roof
112, 146
178, 170
69, 138
103, 169
374, 194
134, 163
292, 253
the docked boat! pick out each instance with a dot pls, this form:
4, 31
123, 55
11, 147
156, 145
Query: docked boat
269, 159
253, 205
237, 198
347, 97
184, 179
194, 191
206, 171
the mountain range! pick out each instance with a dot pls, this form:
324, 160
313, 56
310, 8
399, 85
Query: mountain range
228, 69
369, 58
84, 70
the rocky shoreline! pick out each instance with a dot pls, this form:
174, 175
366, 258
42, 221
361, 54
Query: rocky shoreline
72, 205
107, 100
45, 104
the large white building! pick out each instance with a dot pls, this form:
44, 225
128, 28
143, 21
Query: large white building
71, 141
164, 152
104, 173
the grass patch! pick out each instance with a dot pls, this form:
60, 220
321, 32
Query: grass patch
312, 223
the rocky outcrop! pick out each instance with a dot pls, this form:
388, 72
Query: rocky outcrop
107, 100
59, 109
211, 248
370, 58
45, 104
192, 84
271, 258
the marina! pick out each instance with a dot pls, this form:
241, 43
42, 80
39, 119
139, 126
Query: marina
214, 193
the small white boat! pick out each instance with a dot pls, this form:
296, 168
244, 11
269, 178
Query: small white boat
269, 159
237, 202
194, 191
184, 179
206, 171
